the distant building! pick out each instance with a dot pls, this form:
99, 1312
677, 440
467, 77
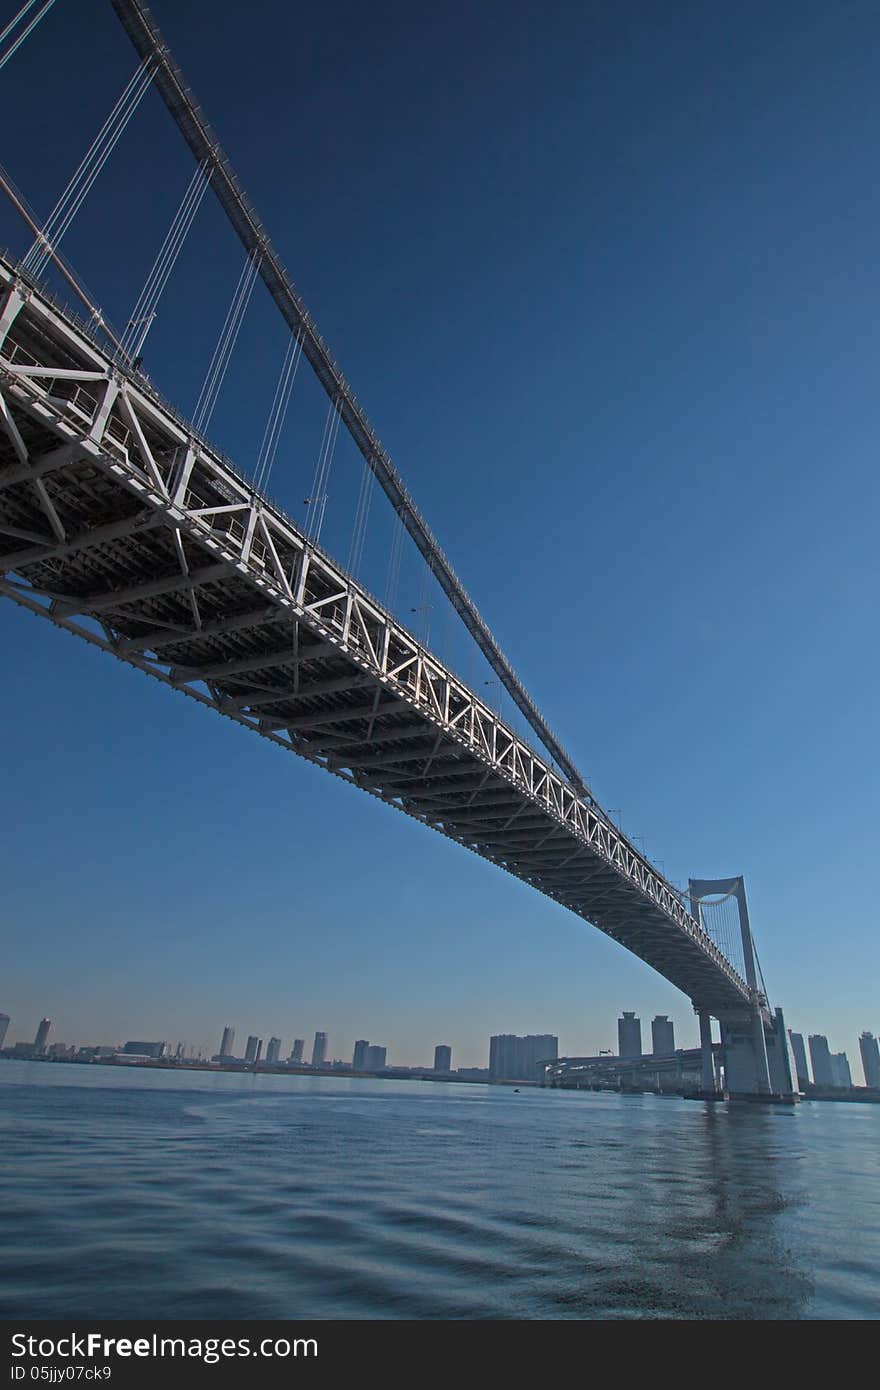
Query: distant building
228, 1042
820, 1059
662, 1036
319, 1050
42, 1035
358, 1062
254, 1049
273, 1051
144, 1049
374, 1058
629, 1036
840, 1071
442, 1058
868, 1046
4, 1024
512, 1058
799, 1052
296, 1052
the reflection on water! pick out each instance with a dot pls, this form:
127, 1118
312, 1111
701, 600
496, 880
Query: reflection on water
154, 1194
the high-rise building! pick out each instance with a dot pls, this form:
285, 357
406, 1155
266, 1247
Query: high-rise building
868, 1046
4, 1024
358, 1060
442, 1058
820, 1060
512, 1058
228, 1042
799, 1052
840, 1071
319, 1050
296, 1052
662, 1036
629, 1036
254, 1049
42, 1035
273, 1051
374, 1058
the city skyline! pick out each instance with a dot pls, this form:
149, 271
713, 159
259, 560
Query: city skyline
859, 1057
679, 328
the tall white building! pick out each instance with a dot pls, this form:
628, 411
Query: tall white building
840, 1070
662, 1036
319, 1050
512, 1058
820, 1059
629, 1036
868, 1047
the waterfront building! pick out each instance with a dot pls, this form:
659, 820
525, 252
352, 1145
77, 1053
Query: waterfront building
840, 1071
799, 1052
42, 1035
228, 1042
254, 1049
144, 1049
512, 1058
273, 1051
868, 1047
442, 1058
374, 1058
296, 1052
4, 1024
662, 1036
820, 1060
358, 1060
319, 1050
629, 1036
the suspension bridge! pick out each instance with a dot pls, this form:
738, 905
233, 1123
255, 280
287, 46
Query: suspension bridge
121, 523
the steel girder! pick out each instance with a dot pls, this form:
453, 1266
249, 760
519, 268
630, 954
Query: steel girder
120, 524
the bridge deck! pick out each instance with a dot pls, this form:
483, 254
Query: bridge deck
120, 524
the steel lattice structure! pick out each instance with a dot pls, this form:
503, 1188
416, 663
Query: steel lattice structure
120, 524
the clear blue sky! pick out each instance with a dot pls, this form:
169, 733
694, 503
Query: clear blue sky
605, 278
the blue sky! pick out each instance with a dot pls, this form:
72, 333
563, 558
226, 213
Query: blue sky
605, 278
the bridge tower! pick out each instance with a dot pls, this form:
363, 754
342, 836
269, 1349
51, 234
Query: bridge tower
754, 1043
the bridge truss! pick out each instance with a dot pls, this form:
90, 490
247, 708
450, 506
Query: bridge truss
119, 523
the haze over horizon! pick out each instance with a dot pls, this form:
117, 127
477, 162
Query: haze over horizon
605, 281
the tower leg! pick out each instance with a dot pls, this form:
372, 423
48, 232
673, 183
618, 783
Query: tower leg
708, 1062
762, 1066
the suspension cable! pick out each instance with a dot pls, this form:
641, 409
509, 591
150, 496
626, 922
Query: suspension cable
317, 501
89, 168
29, 30
144, 310
225, 344
361, 516
278, 412
395, 553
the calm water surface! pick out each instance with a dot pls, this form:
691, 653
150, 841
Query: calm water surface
153, 1194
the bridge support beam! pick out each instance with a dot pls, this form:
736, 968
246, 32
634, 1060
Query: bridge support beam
707, 1081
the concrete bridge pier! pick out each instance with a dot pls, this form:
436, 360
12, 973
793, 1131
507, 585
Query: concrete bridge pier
708, 1082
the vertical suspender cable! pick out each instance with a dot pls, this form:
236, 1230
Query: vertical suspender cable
144, 310
278, 412
225, 345
88, 170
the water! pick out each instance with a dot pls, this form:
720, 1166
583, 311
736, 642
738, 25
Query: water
170, 1195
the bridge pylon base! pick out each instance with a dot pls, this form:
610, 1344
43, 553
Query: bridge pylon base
757, 1064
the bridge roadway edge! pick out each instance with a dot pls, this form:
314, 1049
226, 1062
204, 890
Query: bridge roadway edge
135, 410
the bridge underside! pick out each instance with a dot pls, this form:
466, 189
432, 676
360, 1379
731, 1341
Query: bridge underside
120, 525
